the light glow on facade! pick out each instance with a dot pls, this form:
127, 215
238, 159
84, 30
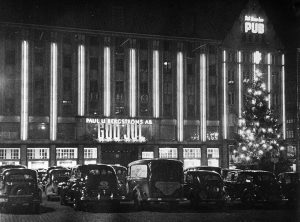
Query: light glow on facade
156, 84
132, 83
283, 96
53, 92
269, 79
180, 96
81, 79
107, 92
203, 96
224, 96
239, 84
24, 90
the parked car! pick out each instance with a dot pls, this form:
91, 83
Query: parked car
90, 184
290, 186
210, 168
55, 177
5, 167
121, 172
253, 186
155, 180
19, 187
203, 187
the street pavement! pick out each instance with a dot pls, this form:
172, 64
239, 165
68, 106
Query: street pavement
52, 211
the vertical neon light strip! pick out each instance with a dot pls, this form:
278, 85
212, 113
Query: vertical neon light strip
283, 97
132, 82
107, 92
180, 96
254, 67
155, 84
24, 91
269, 79
224, 97
53, 92
240, 83
203, 96
81, 79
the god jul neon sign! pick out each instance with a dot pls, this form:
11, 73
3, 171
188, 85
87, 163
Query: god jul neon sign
119, 130
254, 24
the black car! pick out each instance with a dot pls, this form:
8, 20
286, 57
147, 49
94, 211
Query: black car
253, 186
155, 181
55, 177
290, 186
90, 184
19, 187
203, 187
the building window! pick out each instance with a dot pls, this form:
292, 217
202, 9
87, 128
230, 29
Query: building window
144, 78
38, 153
170, 153
231, 98
167, 81
290, 134
191, 153
213, 156
10, 153
147, 155
66, 153
90, 153
231, 76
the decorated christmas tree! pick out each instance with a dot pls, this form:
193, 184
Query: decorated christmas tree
259, 132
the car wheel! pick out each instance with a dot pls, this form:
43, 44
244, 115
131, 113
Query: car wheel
248, 199
35, 208
194, 202
137, 203
63, 200
77, 205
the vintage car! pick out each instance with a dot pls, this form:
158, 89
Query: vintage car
19, 187
203, 187
4, 167
121, 172
253, 186
290, 186
210, 168
55, 177
155, 180
91, 184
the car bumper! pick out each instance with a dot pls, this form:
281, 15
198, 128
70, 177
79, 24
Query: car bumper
18, 199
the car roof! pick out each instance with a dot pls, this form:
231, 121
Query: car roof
203, 172
146, 161
19, 170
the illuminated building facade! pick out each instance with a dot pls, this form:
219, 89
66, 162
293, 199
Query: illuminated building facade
72, 96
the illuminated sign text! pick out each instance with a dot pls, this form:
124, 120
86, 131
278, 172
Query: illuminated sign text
119, 130
254, 24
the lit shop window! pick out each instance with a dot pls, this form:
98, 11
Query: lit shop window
38, 153
191, 157
10, 153
66, 153
170, 153
147, 155
90, 153
213, 156
191, 153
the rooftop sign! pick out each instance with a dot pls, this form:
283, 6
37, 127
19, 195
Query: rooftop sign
254, 24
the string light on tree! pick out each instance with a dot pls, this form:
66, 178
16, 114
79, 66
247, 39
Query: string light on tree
259, 131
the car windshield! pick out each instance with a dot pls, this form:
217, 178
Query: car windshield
61, 174
166, 171
20, 177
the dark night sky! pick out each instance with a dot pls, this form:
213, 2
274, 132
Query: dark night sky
219, 14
